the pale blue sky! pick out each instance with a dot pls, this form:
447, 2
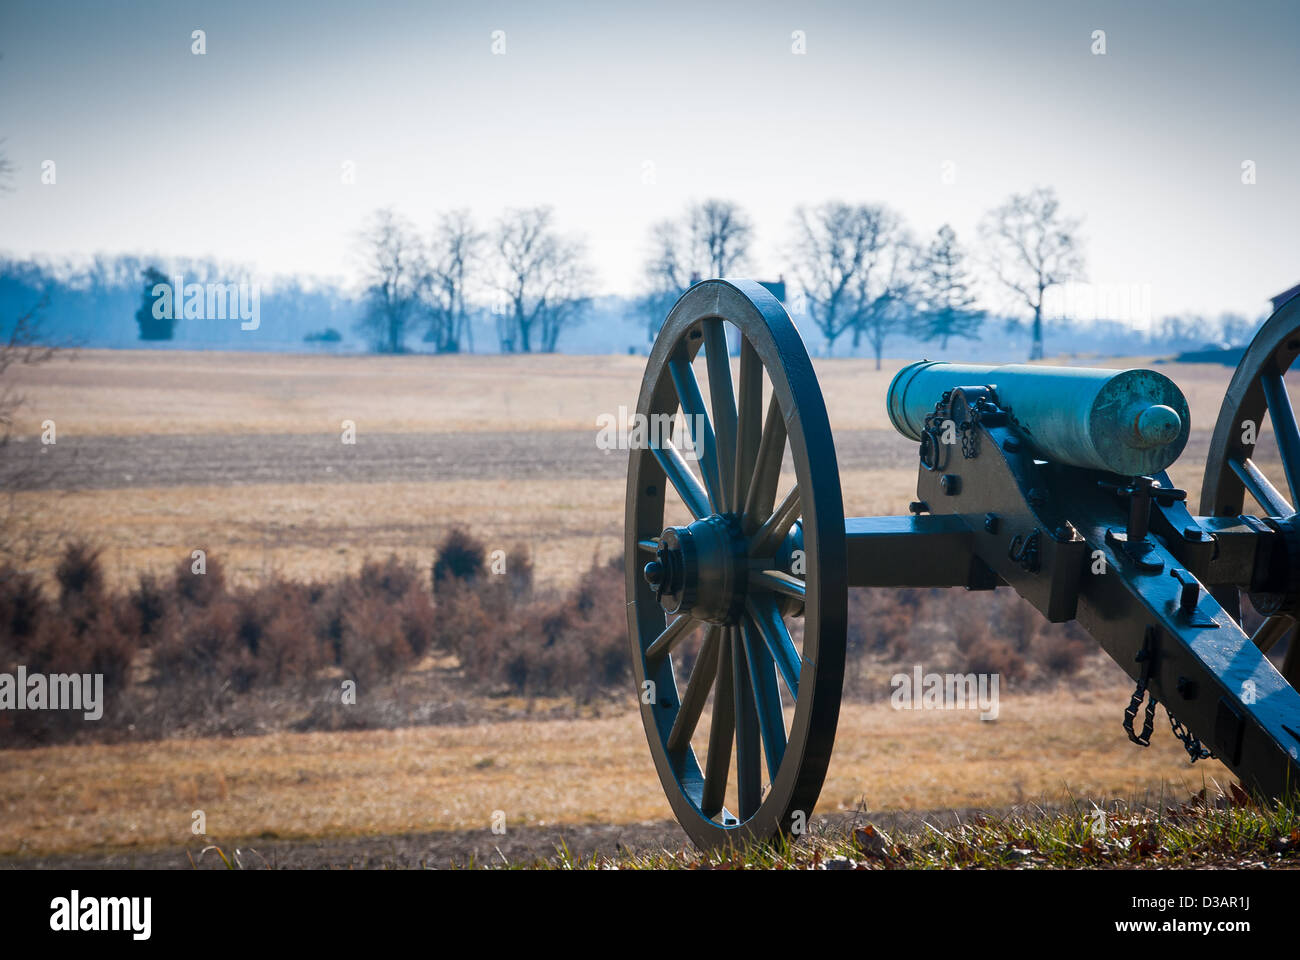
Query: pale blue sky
238, 153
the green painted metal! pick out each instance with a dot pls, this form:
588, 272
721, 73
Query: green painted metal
1128, 422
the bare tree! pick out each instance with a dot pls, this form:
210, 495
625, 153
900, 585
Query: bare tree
668, 273
832, 243
720, 234
1032, 248
565, 296
884, 286
20, 540
944, 292
22, 348
710, 240
543, 280
1181, 331
1236, 329
396, 272
454, 252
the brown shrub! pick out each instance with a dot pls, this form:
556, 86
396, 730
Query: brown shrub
986, 653
144, 608
203, 647
80, 576
574, 646
461, 625
22, 604
199, 589
519, 572
419, 620
373, 644
460, 556
393, 578
1063, 650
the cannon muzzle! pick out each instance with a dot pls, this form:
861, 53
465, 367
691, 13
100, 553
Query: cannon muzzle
1128, 422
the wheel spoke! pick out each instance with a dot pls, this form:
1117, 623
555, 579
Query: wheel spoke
718, 761
774, 529
1285, 431
749, 781
697, 691
1271, 631
768, 619
762, 675
672, 635
1258, 486
778, 582
749, 424
697, 423
723, 401
767, 468
679, 474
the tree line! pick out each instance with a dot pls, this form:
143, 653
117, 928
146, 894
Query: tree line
859, 271
537, 279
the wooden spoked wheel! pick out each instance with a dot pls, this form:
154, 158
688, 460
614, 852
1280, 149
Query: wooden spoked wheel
749, 571
1258, 387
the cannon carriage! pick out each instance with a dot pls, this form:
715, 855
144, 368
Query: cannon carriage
1050, 481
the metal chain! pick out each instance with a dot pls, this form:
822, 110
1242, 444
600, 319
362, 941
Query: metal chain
1148, 722
970, 440
933, 455
1190, 743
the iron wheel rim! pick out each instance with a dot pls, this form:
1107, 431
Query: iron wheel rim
1258, 388
766, 329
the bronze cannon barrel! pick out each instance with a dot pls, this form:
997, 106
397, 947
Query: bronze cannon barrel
1128, 422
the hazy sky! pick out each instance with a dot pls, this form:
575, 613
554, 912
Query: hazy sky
239, 153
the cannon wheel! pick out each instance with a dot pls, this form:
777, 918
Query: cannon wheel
741, 580
1258, 387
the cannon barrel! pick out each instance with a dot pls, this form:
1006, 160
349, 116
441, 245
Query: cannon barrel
1128, 422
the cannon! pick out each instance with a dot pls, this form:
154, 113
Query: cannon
1051, 481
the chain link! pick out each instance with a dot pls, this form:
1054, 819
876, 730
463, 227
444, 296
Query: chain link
970, 440
1190, 743
1148, 722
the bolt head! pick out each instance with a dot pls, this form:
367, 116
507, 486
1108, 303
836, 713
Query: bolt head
654, 573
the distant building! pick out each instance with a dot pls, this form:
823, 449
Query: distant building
775, 287
1283, 297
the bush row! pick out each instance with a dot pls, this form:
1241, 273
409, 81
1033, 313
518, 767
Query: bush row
189, 643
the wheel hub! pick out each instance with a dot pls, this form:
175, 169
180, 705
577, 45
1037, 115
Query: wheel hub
701, 569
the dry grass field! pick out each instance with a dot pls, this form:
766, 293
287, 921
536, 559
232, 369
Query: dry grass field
286, 786
162, 452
